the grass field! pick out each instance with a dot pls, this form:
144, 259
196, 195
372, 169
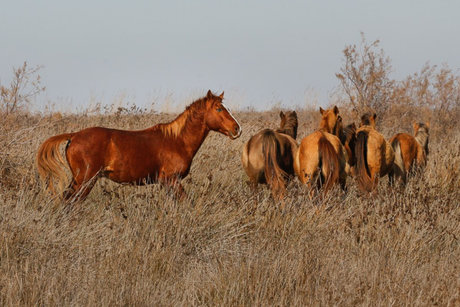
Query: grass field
223, 245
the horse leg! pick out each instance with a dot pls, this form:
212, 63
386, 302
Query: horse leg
278, 194
173, 184
81, 185
391, 179
375, 181
343, 182
179, 191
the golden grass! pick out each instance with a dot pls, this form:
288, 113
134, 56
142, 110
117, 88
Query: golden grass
130, 245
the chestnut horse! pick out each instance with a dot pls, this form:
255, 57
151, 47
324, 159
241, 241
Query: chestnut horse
162, 153
374, 155
410, 151
321, 158
268, 156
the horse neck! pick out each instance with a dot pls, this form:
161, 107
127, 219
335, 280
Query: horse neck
323, 126
422, 138
194, 133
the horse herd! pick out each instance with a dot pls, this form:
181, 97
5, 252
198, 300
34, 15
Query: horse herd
164, 153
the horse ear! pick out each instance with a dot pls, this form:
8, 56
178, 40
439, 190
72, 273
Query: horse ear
321, 110
336, 110
209, 94
221, 96
374, 116
282, 115
415, 126
427, 124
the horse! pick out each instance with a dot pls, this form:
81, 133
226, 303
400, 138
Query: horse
159, 154
347, 137
268, 156
374, 155
321, 157
410, 151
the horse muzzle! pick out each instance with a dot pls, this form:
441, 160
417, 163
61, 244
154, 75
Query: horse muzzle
237, 133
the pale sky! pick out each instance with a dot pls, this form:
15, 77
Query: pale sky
259, 52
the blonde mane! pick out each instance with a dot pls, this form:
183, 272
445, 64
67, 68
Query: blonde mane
174, 128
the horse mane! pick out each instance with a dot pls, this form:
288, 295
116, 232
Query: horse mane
174, 128
289, 125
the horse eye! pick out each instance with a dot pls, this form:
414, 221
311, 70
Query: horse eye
219, 110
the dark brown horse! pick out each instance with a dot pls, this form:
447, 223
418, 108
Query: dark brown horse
162, 153
347, 136
321, 158
410, 151
268, 156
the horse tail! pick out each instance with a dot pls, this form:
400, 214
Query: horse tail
398, 164
51, 163
328, 163
274, 174
362, 166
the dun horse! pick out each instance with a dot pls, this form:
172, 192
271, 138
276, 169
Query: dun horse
268, 156
410, 152
321, 158
162, 153
374, 155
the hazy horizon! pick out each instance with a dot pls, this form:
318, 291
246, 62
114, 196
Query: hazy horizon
259, 53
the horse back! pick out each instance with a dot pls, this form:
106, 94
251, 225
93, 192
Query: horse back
125, 156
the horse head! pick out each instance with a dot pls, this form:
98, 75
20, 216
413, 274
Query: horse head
368, 119
218, 117
329, 120
289, 123
421, 127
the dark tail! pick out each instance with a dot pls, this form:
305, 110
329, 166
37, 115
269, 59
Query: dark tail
362, 168
328, 162
274, 174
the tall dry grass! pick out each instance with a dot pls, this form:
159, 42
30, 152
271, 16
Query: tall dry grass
223, 245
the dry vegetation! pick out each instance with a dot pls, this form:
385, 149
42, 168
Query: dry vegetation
224, 245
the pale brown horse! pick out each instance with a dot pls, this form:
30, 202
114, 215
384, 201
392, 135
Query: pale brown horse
321, 158
410, 151
268, 155
374, 155
162, 153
